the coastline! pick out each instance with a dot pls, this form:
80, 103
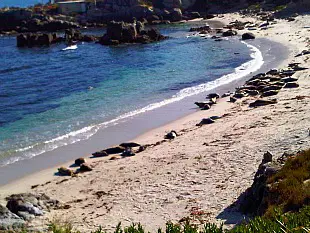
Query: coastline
168, 152
133, 127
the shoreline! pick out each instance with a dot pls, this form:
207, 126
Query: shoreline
176, 110
167, 153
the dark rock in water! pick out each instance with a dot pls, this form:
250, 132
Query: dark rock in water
115, 30
115, 150
213, 95
102, 153
65, 171
171, 135
261, 102
79, 161
129, 33
291, 85
9, 220
205, 121
129, 144
229, 33
28, 205
232, 99
289, 79
120, 32
85, 168
33, 40
248, 36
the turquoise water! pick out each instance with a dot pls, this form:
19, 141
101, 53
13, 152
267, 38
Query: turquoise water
50, 98
20, 3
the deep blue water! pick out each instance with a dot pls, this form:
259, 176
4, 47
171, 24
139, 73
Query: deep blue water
20, 3
50, 97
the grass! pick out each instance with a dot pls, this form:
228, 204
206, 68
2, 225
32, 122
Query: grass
295, 222
58, 226
290, 187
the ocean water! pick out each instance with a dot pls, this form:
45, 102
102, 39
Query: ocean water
50, 97
20, 3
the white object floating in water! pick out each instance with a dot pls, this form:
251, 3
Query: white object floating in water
72, 47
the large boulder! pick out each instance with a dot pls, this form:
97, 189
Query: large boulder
120, 32
176, 15
129, 33
32, 40
28, 205
9, 220
115, 30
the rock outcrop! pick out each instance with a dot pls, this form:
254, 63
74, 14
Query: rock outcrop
121, 32
9, 220
27, 205
36, 39
25, 20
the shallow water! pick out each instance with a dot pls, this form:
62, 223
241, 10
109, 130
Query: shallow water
50, 97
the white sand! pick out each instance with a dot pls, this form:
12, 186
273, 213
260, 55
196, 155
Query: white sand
200, 173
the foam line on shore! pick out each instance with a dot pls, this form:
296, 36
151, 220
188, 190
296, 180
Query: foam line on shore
85, 133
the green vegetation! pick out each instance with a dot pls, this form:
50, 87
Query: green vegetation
58, 226
298, 222
290, 187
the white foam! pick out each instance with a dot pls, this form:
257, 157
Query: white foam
72, 47
85, 133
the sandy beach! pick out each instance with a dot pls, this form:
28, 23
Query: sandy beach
201, 172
